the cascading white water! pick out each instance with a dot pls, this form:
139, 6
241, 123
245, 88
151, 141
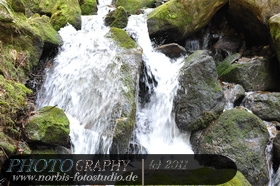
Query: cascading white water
83, 83
156, 129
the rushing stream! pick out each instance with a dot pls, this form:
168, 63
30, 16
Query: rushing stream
82, 83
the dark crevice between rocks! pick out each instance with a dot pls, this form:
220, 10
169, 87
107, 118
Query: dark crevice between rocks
145, 91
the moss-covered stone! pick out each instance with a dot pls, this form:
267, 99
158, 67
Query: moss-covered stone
50, 126
200, 98
117, 18
181, 18
66, 11
252, 74
241, 136
122, 38
22, 43
12, 98
133, 6
48, 34
88, 7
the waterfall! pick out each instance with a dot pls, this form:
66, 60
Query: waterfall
83, 83
156, 129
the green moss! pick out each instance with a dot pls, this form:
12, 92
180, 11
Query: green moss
88, 7
48, 33
122, 38
132, 6
117, 18
222, 67
12, 98
50, 126
46, 6
172, 13
7, 144
66, 11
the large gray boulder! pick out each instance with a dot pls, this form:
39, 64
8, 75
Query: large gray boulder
124, 112
240, 136
200, 98
181, 18
266, 105
253, 74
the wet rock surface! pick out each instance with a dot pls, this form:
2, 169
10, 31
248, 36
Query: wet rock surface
200, 98
241, 136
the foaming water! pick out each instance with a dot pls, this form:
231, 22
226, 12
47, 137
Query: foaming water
156, 129
84, 81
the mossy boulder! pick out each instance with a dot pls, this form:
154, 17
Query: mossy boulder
117, 18
88, 7
274, 26
251, 17
240, 136
133, 6
200, 98
22, 44
175, 20
122, 38
12, 99
64, 12
61, 12
50, 36
253, 74
50, 126
265, 105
